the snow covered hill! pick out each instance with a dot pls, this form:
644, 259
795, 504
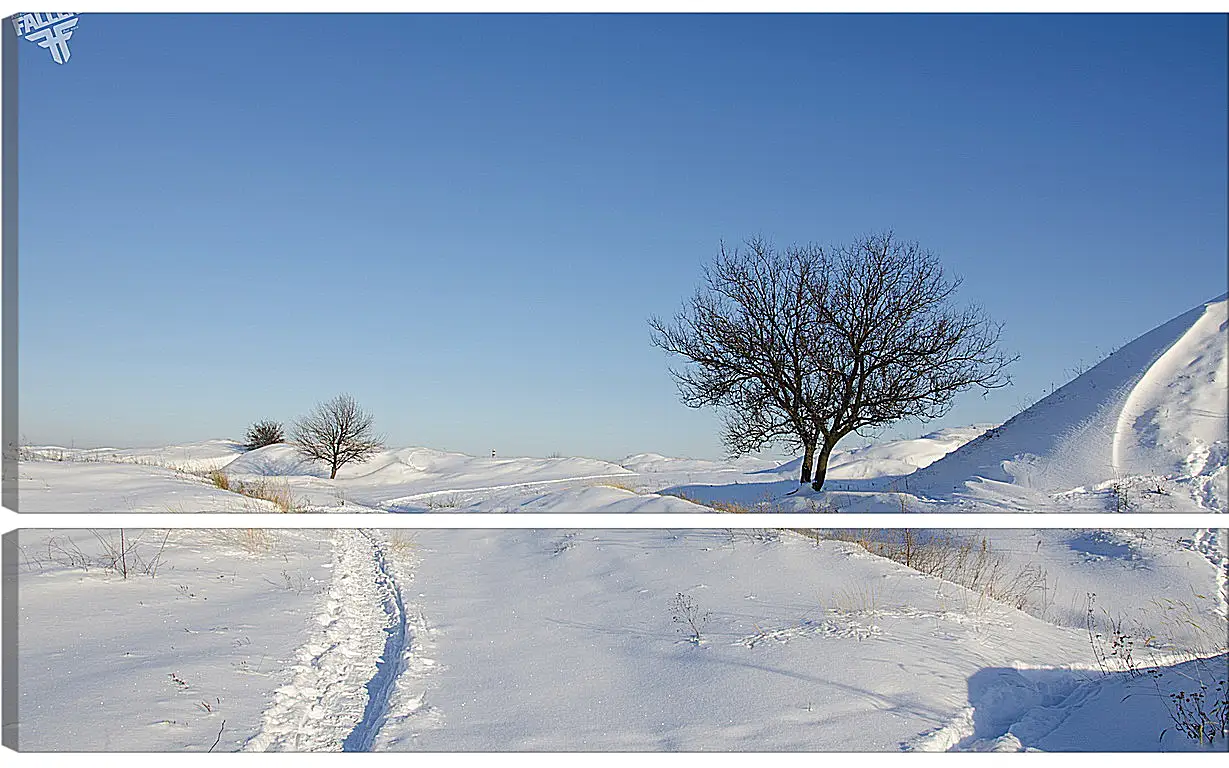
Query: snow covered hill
1155, 409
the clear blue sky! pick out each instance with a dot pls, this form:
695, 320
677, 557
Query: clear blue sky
465, 221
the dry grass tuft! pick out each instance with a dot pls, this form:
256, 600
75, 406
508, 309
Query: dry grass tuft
279, 495
968, 561
618, 486
255, 541
401, 542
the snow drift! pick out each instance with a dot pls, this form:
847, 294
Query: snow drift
1156, 407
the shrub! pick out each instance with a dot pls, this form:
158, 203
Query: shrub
688, 614
1199, 709
1202, 712
118, 552
262, 433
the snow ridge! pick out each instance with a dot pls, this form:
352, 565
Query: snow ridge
1153, 407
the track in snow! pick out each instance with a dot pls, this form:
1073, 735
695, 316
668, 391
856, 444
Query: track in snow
338, 697
391, 664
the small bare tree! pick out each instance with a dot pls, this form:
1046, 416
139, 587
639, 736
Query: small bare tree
806, 346
337, 431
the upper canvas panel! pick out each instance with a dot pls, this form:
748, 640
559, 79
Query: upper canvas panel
875, 257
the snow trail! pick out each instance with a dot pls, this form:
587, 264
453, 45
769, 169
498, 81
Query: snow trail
391, 664
346, 670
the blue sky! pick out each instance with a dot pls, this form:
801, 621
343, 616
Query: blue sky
465, 221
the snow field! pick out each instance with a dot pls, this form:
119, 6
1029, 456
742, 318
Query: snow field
158, 663
569, 640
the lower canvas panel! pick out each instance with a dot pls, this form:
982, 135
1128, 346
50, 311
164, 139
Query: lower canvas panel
603, 640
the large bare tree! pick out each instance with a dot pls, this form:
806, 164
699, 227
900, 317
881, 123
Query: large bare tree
337, 432
805, 346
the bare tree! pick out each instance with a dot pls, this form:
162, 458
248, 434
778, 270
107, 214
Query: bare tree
337, 431
806, 346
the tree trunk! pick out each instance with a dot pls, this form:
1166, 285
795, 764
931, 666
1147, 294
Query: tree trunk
333, 474
808, 459
821, 465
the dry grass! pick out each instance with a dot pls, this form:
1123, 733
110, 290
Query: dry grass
255, 541
401, 542
441, 501
279, 495
618, 486
220, 479
729, 507
968, 561
859, 601
117, 551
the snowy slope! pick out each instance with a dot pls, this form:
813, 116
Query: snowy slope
807, 647
106, 487
1027, 709
901, 457
1155, 407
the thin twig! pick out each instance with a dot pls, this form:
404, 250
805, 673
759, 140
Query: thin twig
219, 738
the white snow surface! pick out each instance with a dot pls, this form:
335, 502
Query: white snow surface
105, 487
444, 640
159, 662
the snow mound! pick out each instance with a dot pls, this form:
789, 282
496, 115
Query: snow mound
202, 456
275, 460
900, 457
409, 478
417, 464
1157, 406
657, 463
